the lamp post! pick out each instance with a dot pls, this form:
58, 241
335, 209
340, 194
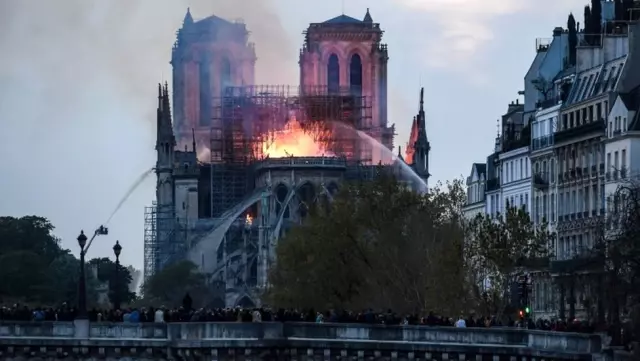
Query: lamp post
82, 284
117, 248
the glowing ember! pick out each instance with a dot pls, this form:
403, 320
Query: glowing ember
292, 141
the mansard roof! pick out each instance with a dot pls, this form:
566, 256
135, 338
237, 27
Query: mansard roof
481, 168
631, 101
595, 81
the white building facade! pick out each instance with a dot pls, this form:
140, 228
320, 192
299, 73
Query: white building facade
516, 178
476, 184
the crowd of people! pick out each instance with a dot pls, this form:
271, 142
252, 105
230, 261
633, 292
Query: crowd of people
189, 314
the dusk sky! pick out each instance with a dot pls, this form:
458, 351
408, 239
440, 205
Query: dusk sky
78, 86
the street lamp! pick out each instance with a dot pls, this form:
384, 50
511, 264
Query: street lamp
82, 284
117, 248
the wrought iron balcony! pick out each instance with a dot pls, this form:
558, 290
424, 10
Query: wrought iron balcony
580, 261
590, 128
541, 180
548, 103
493, 184
542, 142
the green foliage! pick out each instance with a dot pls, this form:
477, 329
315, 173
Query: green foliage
106, 274
376, 245
573, 39
171, 284
33, 267
499, 247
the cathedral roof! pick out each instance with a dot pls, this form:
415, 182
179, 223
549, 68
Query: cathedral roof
343, 19
214, 20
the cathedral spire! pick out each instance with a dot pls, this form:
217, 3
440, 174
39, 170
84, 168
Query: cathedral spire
422, 126
367, 17
164, 123
193, 135
188, 19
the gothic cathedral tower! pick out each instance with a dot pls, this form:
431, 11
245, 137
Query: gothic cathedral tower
346, 54
208, 56
165, 147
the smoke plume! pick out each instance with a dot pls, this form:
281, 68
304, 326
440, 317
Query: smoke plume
77, 102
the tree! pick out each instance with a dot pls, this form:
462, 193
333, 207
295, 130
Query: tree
501, 248
620, 250
573, 39
629, 13
172, 283
106, 274
587, 31
596, 22
619, 10
376, 245
33, 267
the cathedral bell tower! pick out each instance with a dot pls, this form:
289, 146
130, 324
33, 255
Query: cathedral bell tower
208, 56
345, 54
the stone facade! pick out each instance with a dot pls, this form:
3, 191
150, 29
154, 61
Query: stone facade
288, 341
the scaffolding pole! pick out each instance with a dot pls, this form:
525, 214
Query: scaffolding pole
159, 236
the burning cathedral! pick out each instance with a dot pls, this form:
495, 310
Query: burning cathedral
238, 164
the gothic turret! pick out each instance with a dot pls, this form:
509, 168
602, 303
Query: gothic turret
165, 144
418, 147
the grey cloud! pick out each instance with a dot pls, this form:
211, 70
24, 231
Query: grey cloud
77, 103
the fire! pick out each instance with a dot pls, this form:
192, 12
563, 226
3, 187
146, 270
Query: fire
248, 220
292, 141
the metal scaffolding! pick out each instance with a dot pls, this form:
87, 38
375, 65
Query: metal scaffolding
159, 234
245, 118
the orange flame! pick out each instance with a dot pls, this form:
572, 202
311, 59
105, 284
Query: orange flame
292, 141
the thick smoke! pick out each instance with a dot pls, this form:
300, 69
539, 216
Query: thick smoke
77, 103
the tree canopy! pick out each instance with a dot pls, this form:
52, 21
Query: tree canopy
35, 269
168, 286
106, 273
501, 246
376, 245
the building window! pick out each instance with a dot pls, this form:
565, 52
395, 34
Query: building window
205, 91
333, 74
521, 168
355, 74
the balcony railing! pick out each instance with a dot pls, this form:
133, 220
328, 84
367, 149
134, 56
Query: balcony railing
541, 180
594, 127
548, 103
542, 142
493, 184
580, 261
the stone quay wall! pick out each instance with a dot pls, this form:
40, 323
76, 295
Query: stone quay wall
287, 341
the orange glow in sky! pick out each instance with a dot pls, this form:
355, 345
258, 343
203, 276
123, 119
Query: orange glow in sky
292, 141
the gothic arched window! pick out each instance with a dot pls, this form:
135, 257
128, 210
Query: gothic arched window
355, 74
205, 90
333, 74
225, 75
